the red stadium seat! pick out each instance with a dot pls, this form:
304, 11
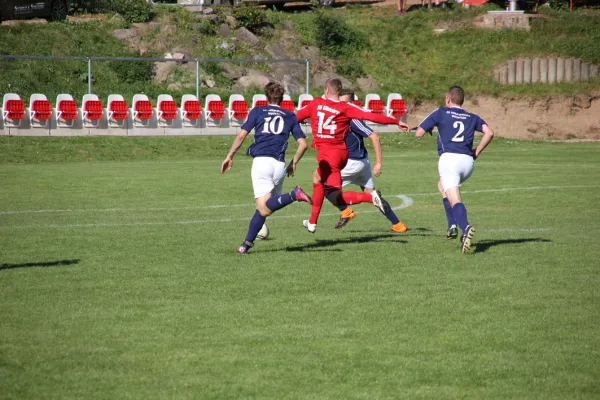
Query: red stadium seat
375, 106
93, 108
288, 105
143, 109
118, 109
67, 110
41, 109
240, 109
216, 109
357, 103
305, 103
192, 109
398, 108
168, 108
261, 103
15, 109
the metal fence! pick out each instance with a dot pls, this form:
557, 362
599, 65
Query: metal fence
198, 62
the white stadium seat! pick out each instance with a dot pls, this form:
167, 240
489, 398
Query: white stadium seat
396, 106
214, 110
237, 110
92, 112
304, 99
141, 111
259, 100
166, 110
191, 111
118, 111
66, 111
40, 111
13, 110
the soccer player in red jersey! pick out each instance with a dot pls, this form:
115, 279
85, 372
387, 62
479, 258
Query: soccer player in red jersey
330, 123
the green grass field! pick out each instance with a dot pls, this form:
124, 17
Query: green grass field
119, 278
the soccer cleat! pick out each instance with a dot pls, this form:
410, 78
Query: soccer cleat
378, 202
309, 227
466, 239
452, 232
399, 228
346, 217
243, 249
301, 195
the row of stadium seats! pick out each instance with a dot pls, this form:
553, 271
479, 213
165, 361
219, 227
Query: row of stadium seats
91, 113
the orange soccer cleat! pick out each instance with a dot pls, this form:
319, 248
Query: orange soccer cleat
399, 228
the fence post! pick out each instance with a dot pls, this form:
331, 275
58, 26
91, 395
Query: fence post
308, 75
197, 79
89, 75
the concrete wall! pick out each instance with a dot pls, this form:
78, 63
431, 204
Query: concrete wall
545, 70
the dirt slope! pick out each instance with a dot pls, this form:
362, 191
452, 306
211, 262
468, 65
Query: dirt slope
554, 118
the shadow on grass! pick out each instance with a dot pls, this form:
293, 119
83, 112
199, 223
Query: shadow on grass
319, 245
484, 245
39, 264
410, 232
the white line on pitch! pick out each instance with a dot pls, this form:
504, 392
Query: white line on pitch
84, 210
406, 202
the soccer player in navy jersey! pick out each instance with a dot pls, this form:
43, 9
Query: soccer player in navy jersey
272, 128
330, 123
456, 129
358, 169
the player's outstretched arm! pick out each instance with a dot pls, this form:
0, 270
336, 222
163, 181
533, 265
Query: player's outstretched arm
376, 140
488, 135
302, 146
237, 143
420, 132
356, 113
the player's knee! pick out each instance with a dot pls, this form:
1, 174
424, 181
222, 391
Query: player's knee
264, 210
261, 207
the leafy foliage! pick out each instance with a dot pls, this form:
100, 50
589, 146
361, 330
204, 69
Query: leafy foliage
131, 10
335, 37
256, 20
132, 72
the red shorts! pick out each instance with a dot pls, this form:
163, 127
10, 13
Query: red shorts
331, 162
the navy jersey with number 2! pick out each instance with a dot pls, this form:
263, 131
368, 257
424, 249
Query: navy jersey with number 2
456, 129
272, 127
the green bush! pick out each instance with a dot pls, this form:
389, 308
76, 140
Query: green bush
350, 69
133, 72
91, 6
336, 38
256, 20
131, 10
560, 5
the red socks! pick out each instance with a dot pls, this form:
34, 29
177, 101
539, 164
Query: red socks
318, 195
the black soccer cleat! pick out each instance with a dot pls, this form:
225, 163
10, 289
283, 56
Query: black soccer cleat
466, 239
452, 232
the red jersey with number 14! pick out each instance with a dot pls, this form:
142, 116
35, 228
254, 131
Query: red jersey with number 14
330, 121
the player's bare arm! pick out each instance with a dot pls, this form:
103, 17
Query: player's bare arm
376, 140
420, 132
488, 135
237, 143
302, 146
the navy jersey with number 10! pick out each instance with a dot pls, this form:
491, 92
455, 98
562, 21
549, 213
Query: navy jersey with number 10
272, 127
456, 129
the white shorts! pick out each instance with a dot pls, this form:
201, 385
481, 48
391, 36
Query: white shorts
454, 169
358, 172
267, 176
